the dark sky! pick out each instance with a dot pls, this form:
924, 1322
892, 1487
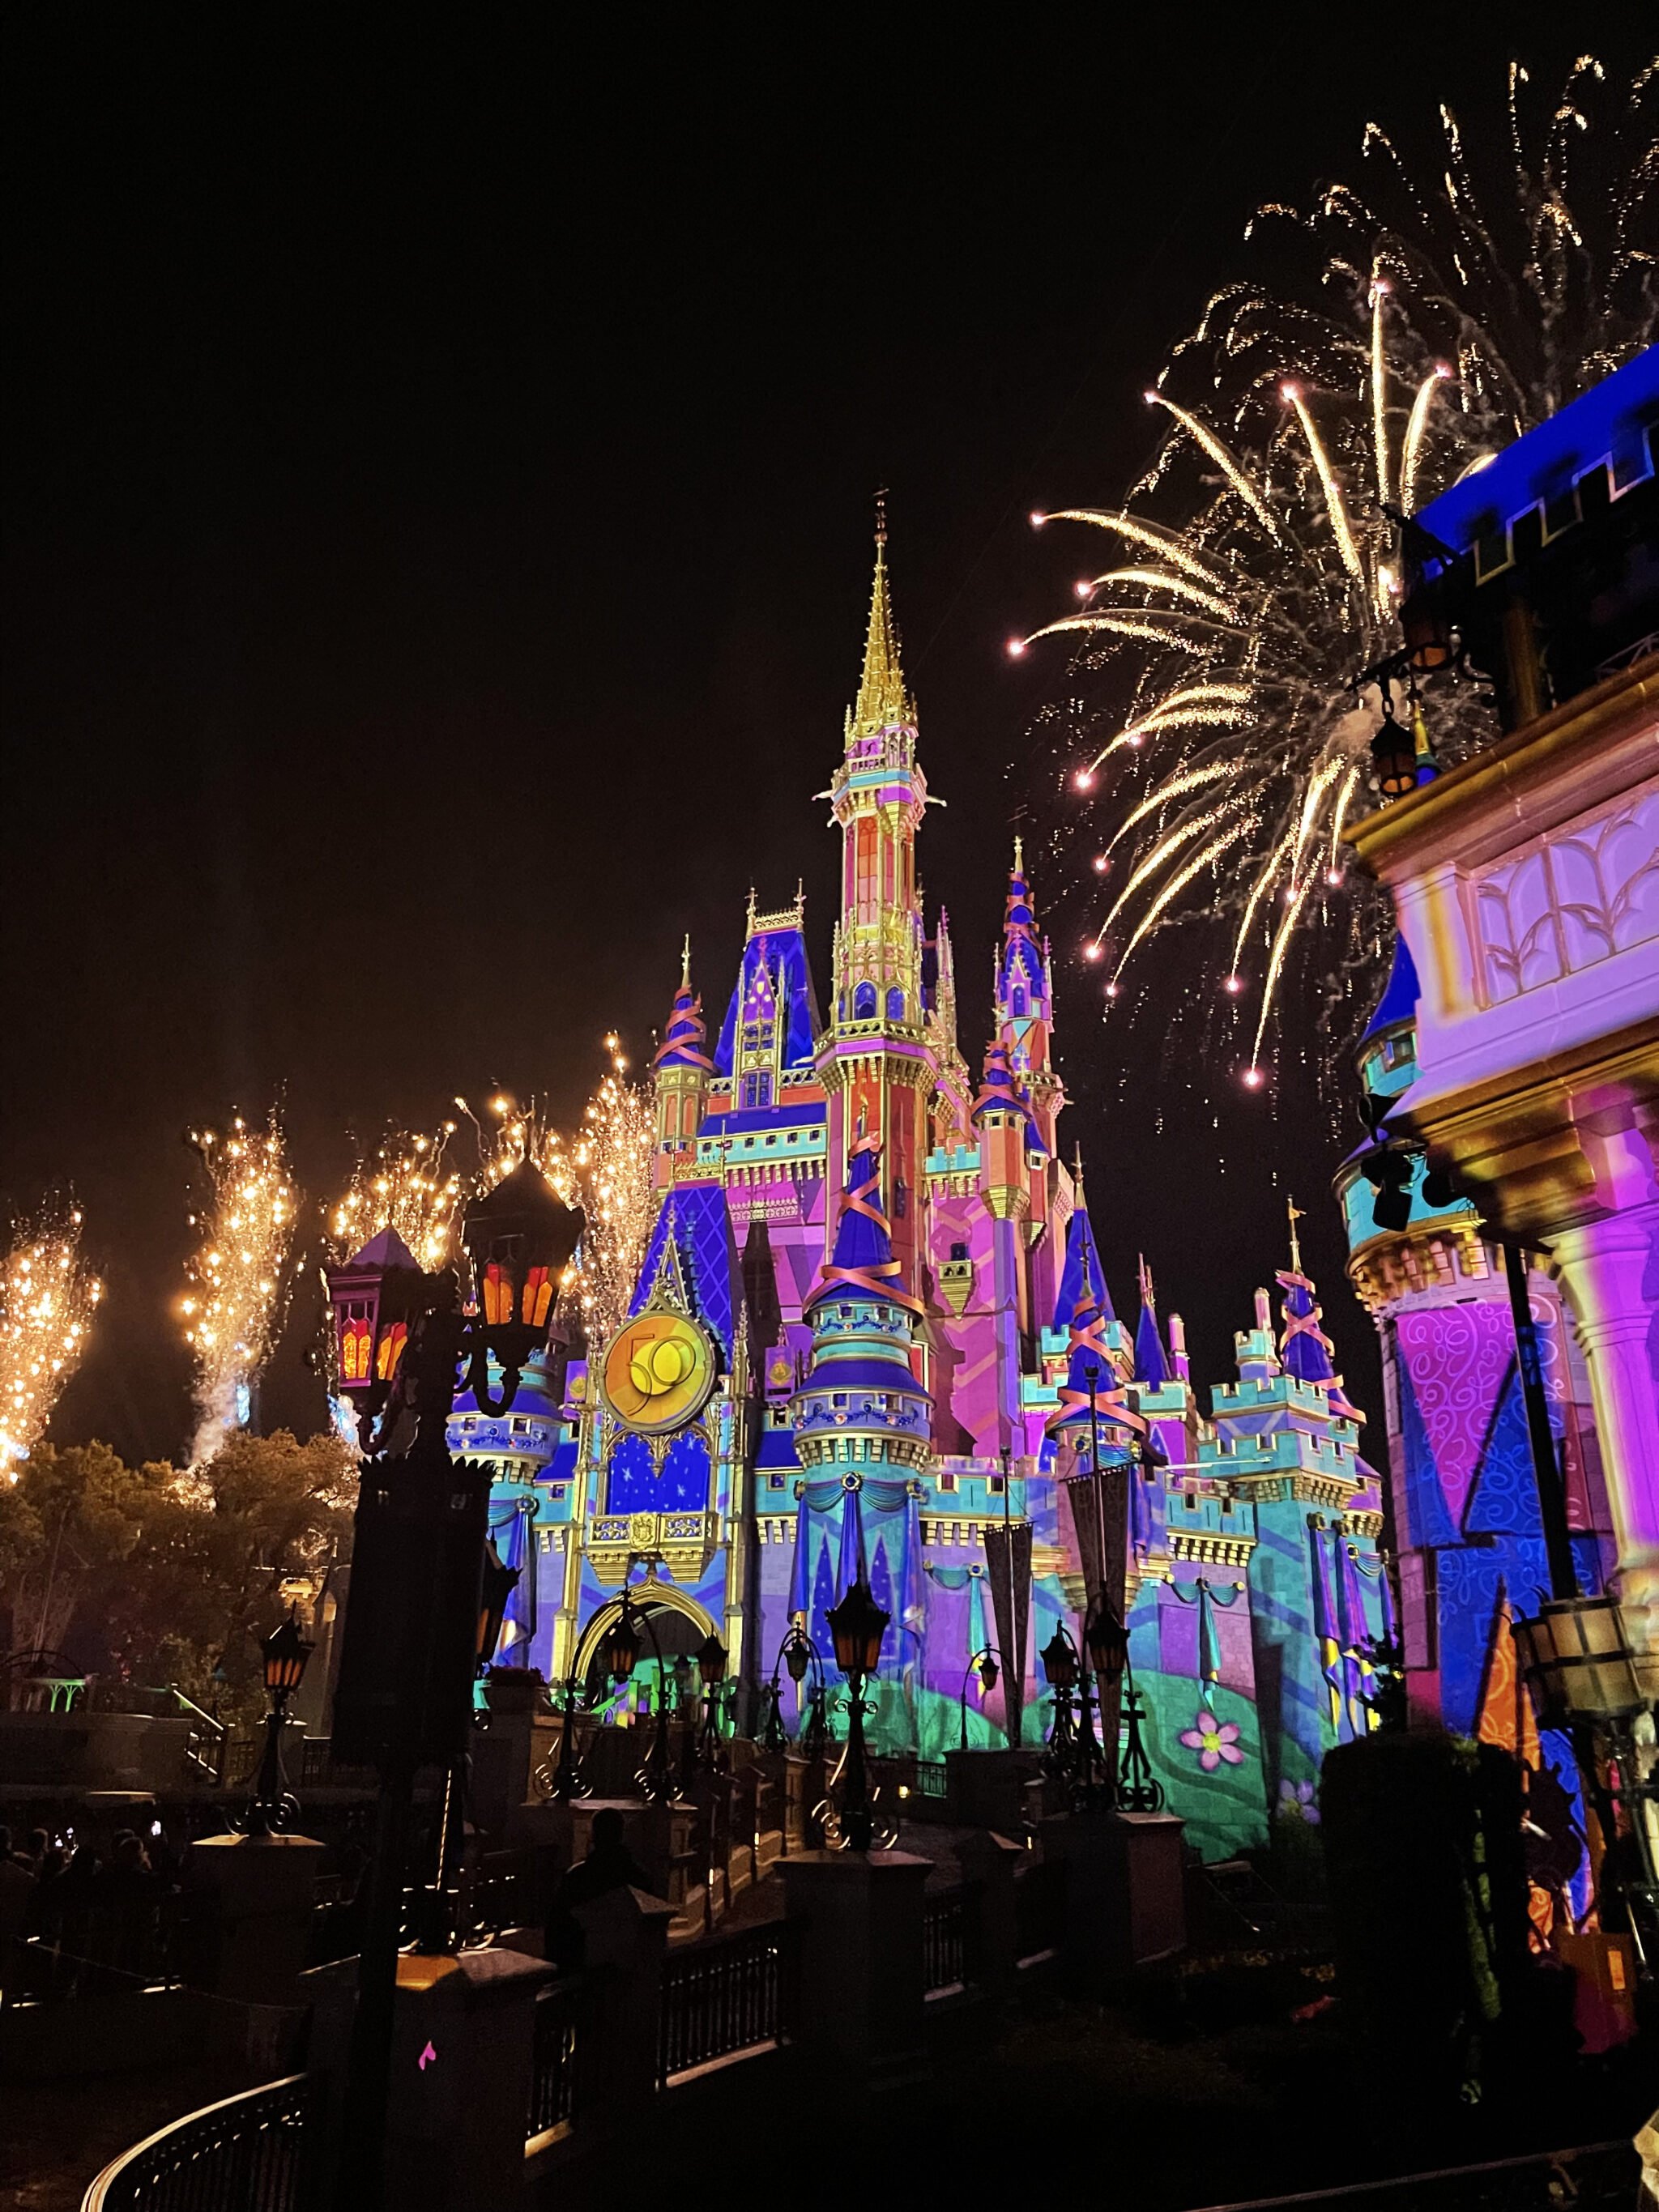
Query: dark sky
436, 517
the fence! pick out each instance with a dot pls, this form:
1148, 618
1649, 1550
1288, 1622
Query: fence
93, 1950
943, 1940
246, 2155
553, 2068
725, 1997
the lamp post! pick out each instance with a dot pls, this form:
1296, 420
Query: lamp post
410, 1654
497, 1583
286, 1652
1059, 1670
656, 1776
711, 1667
857, 1625
567, 1782
984, 1663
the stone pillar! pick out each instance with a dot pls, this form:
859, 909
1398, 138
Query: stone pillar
860, 1921
250, 1902
626, 1935
1610, 1274
1125, 1902
989, 1863
502, 1753
462, 2049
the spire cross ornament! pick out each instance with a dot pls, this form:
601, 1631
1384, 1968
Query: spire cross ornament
685, 963
1295, 1213
1019, 855
881, 516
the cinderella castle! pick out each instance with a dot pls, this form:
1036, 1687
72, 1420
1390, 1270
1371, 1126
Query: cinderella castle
872, 1327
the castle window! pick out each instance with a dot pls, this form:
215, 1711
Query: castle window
838, 1398
762, 1091
864, 1003
994, 1484
1018, 1008
947, 1482
895, 1005
958, 1251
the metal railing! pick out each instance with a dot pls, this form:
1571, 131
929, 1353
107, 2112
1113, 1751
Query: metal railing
943, 1940
246, 2155
735, 1995
93, 1950
553, 2066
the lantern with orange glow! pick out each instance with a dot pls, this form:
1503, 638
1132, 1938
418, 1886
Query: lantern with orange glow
374, 1297
519, 1238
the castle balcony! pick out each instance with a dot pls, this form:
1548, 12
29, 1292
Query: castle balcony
685, 1543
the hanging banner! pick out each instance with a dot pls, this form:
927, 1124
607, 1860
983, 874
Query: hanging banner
1008, 1564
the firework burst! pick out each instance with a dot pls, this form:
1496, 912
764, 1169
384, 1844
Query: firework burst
47, 1300
1215, 721
611, 1158
240, 1274
407, 1186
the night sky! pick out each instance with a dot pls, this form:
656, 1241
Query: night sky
436, 509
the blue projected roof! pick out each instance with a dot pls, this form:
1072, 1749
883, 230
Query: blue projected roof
694, 1221
1610, 421
782, 954
1400, 995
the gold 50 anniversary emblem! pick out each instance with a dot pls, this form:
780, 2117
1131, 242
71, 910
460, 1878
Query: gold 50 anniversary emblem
657, 1372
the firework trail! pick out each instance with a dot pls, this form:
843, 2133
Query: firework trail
240, 1274
47, 1300
407, 1186
612, 1154
1214, 728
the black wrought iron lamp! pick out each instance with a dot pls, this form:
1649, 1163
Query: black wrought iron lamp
712, 1657
1059, 1670
286, 1652
984, 1664
857, 1625
656, 1776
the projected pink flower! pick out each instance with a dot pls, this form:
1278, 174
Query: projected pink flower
1213, 1740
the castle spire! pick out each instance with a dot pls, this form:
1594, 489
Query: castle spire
882, 699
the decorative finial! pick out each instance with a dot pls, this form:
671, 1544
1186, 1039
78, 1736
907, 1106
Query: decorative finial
1019, 855
685, 963
1076, 1171
882, 701
1295, 1211
752, 909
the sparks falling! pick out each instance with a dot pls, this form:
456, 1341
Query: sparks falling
47, 1300
408, 1187
1224, 741
612, 1156
240, 1274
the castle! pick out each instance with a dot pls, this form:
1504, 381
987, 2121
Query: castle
872, 1327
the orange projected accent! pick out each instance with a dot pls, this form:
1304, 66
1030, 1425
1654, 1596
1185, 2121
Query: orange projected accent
538, 1296
497, 1293
391, 1350
658, 1372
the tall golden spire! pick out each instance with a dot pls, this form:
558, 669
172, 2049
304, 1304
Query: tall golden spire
882, 699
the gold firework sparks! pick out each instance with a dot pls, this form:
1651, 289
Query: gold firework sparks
47, 1301
408, 1186
612, 1157
1224, 739
240, 1274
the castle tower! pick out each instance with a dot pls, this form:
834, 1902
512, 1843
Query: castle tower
877, 1062
862, 1437
1025, 1004
683, 1069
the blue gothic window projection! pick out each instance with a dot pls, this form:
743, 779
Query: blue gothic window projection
681, 1487
895, 1005
864, 1003
1019, 1005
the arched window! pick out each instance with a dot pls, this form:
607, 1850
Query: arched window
1019, 1003
895, 1005
864, 1003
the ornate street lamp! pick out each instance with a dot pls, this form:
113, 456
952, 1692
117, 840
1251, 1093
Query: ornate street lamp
656, 1776
286, 1652
375, 1299
857, 1625
520, 1237
1577, 1664
984, 1664
1059, 1670
711, 1666
1393, 753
